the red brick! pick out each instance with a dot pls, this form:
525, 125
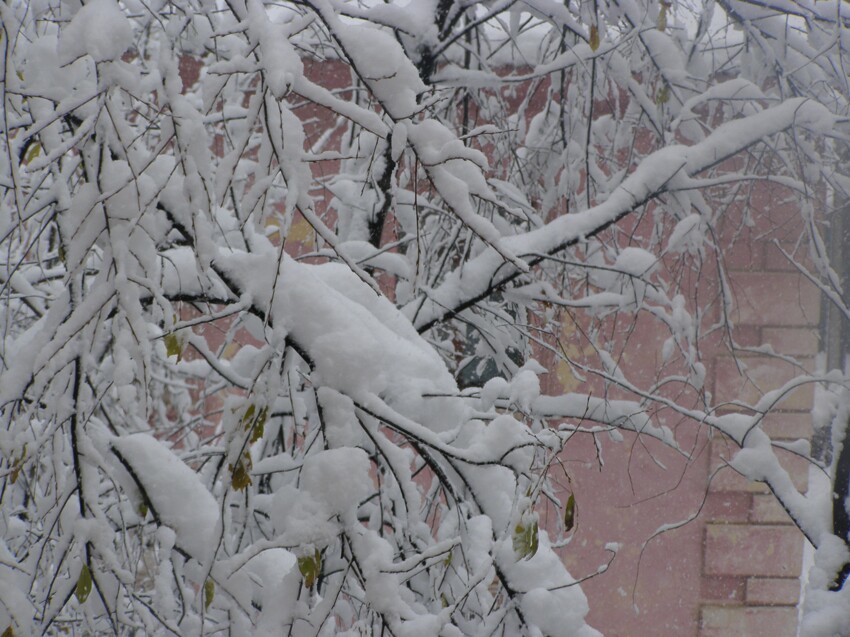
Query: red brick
743, 549
761, 374
792, 341
730, 506
748, 336
749, 621
723, 590
775, 260
788, 425
775, 212
767, 509
773, 298
798, 468
745, 255
773, 591
725, 478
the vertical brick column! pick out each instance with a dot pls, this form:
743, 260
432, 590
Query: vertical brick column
752, 553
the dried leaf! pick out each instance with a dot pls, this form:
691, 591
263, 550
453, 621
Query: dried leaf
310, 566
526, 539
594, 38
33, 151
17, 465
240, 474
83, 585
570, 513
662, 16
209, 592
9, 632
173, 346
256, 424
248, 418
257, 433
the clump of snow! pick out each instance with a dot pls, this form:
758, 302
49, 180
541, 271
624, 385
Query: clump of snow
375, 557
827, 613
550, 599
525, 385
268, 569
398, 141
383, 66
341, 426
338, 478
498, 438
493, 389
365, 254
358, 342
300, 519
99, 29
175, 492
332, 483
522, 390
281, 63
457, 173
635, 261
687, 236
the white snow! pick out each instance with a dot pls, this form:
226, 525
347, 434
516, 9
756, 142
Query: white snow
687, 236
338, 478
99, 29
176, 493
358, 342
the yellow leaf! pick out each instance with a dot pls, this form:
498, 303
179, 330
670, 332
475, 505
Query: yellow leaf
209, 592
259, 425
257, 433
17, 465
173, 347
662, 16
240, 474
8, 632
570, 513
255, 422
526, 539
248, 418
32, 152
594, 38
83, 585
310, 566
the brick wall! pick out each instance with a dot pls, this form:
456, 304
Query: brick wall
752, 553
735, 569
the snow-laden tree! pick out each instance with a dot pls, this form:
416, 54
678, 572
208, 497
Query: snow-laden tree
213, 426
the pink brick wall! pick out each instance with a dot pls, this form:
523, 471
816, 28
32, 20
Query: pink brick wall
752, 553
734, 570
